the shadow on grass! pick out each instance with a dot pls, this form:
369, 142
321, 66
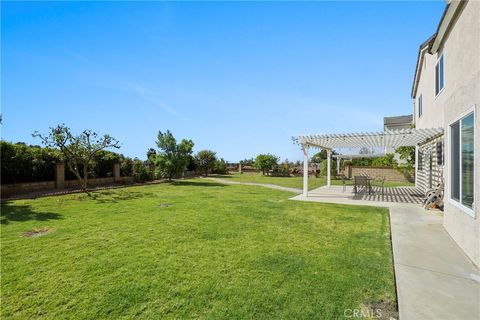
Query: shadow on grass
22, 213
110, 196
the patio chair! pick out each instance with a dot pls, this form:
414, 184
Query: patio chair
361, 181
381, 184
344, 181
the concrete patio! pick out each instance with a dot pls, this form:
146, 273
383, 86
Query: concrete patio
390, 195
434, 279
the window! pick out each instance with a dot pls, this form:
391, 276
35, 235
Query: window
420, 160
462, 161
439, 78
440, 153
420, 106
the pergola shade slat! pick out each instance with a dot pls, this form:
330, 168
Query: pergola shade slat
391, 138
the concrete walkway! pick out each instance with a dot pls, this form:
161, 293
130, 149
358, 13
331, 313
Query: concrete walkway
434, 279
265, 185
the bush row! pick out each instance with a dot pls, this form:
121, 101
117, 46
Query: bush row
25, 163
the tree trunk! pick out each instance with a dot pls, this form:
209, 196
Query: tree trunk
74, 170
84, 181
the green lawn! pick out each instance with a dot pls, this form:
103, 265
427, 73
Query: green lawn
291, 182
296, 182
196, 249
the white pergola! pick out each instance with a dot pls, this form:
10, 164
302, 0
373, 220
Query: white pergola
390, 138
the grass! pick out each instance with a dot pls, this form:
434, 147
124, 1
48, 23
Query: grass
296, 182
291, 182
195, 249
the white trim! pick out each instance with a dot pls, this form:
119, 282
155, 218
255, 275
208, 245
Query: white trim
458, 204
420, 106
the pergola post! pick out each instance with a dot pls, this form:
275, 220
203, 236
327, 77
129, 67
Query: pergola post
338, 165
329, 166
305, 170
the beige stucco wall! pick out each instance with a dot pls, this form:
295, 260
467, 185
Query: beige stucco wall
461, 50
431, 117
462, 92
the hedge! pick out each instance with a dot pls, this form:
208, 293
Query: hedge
24, 163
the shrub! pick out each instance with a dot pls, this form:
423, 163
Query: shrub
126, 166
281, 170
24, 163
205, 160
323, 168
220, 166
103, 162
141, 171
385, 161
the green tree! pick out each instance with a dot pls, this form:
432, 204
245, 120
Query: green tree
265, 162
385, 161
172, 158
407, 154
78, 151
220, 166
247, 162
205, 160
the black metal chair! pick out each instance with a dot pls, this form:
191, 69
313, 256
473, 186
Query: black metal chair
381, 184
362, 181
344, 181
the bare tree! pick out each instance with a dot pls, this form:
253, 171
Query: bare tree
78, 151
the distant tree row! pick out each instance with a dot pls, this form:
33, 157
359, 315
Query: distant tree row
85, 156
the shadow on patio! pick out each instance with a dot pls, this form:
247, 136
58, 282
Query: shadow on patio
390, 194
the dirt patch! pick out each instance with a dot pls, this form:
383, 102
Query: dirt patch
382, 309
37, 232
165, 205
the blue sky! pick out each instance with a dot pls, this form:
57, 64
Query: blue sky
237, 78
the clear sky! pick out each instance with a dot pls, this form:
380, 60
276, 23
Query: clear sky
237, 78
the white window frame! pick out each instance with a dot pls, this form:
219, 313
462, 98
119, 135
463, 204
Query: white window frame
458, 204
435, 75
420, 106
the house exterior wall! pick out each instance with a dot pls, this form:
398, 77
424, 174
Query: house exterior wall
431, 117
461, 94
397, 126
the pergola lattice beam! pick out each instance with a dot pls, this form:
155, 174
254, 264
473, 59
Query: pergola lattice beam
391, 138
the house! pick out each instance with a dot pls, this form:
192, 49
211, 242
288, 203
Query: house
397, 123
446, 105
446, 93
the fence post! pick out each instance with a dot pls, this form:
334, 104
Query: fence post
116, 172
239, 168
59, 175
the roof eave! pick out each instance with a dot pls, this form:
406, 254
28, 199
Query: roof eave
418, 70
445, 24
